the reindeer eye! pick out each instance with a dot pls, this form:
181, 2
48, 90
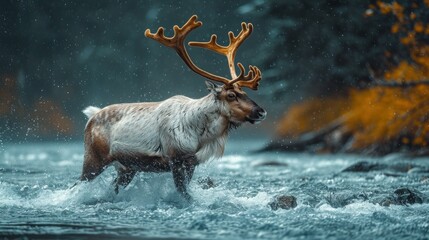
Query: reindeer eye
231, 96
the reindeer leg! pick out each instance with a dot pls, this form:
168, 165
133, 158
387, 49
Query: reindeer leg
179, 177
182, 168
125, 176
96, 154
92, 165
190, 164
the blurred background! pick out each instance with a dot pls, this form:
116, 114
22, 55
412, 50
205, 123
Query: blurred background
320, 61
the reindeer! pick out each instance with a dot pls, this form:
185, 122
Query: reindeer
178, 133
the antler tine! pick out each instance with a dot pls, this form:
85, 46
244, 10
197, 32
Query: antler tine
234, 42
251, 80
254, 75
176, 42
179, 33
246, 30
230, 50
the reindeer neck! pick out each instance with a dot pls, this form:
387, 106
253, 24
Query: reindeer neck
208, 115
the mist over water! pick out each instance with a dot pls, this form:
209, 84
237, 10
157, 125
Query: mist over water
37, 198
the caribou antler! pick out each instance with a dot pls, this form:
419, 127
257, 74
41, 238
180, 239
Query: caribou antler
251, 80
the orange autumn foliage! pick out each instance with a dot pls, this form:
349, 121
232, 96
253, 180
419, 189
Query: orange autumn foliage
392, 117
43, 118
311, 115
388, 116
49, 117
8, 95
376, 116
408, 25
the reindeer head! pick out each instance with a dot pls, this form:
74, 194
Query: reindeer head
240, 107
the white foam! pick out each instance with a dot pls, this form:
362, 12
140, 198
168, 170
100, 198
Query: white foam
357, 208
8, 197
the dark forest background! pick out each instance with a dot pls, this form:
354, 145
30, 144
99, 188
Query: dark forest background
57, 57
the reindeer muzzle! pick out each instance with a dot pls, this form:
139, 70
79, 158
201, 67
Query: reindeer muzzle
258, 114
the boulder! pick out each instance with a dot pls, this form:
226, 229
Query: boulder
403, 196
344, 198
365, 167
283, 202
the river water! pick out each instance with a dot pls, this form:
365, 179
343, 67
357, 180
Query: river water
37, 201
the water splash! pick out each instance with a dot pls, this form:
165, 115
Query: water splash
37, 197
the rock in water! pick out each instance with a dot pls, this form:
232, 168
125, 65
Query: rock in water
403, 196
283, 202
344, 198
406, 196
365, 167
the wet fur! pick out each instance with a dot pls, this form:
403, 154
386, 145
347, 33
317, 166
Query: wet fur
146, 136
173, 135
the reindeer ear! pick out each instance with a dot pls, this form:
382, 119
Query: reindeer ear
213, 88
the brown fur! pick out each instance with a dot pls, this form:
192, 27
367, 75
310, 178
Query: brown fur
96, 154
241, 106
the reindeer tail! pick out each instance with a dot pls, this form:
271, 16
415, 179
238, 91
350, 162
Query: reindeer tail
91, 111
